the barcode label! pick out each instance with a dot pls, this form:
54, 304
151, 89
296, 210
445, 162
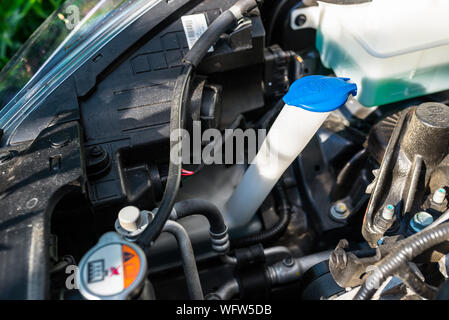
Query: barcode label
194, 26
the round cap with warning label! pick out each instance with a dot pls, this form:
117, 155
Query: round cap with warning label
114, 269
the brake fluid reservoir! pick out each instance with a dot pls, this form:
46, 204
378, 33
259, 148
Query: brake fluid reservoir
308, 103
392, 50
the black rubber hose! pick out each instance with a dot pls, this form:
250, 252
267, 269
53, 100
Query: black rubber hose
405, 251
202, 207
345, 178
267, 120
208, 39
181, 90
218, 27
269, 236
418, 285
272, 24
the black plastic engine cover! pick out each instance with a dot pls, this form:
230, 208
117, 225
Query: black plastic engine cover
127, 114
43, 173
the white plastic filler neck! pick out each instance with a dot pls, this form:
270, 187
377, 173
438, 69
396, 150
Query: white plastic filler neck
308, 104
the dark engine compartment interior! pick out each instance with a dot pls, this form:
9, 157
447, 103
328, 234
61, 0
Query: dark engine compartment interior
108, 147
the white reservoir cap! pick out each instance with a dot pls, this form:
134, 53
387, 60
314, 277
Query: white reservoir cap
129, 218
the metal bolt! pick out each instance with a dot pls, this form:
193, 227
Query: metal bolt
339, 211
96, 151
388, 212
439, 196
380, 241
340, 208
288, 262
421, 220
59, 140
300, 20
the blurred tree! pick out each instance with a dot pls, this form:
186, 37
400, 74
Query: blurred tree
18, 20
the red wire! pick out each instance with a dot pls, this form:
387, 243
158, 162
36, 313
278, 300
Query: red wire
187, 173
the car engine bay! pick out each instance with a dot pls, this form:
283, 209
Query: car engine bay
94, 207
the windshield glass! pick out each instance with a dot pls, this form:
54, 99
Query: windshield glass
70, 36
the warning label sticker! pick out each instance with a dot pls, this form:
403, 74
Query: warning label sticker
131, 265
194, 26
104, 272
111, 269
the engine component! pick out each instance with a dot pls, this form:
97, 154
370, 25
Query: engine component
309, 101
397, 258
139, 77
225, 292
266, 237
138, 94
114, 269
378, 54
181, 93
131, 222
291, 270
279, 69
412, 162
351, 268
250, 273
286, 271
205, 105
188, 259
420, 221
218, 229
318, 283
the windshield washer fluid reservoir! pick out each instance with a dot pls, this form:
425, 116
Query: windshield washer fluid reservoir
392, 50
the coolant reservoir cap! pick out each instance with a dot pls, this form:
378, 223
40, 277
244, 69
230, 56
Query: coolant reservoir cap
114, 269
320, 93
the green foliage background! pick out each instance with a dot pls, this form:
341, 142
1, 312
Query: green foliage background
18, 20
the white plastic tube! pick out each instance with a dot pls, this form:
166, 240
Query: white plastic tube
289, 134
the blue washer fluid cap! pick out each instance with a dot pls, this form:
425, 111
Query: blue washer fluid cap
320, 93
